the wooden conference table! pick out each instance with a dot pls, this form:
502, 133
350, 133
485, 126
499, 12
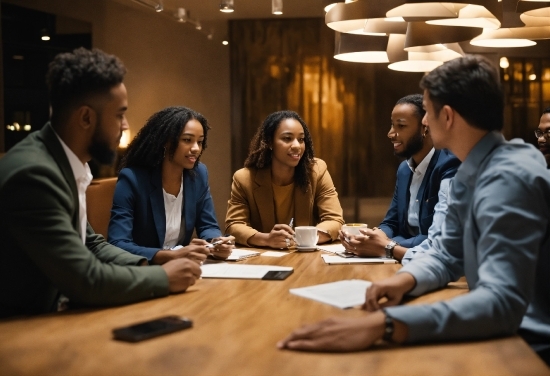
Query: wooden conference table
236, 326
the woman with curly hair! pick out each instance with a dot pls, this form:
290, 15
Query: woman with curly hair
162, 193
282, 184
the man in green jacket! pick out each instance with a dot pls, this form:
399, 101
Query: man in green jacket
49, 252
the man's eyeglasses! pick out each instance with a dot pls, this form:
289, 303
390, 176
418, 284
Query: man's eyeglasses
539, 134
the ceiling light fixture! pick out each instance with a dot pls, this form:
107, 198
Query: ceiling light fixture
427, 58
277, 7
360, 48
472, 13
181, 15
512, 37
227, 6
351, 17
423, 34
157, 6
534, 8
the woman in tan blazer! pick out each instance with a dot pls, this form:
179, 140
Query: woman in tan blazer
282, 184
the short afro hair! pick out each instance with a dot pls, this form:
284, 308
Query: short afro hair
73, 77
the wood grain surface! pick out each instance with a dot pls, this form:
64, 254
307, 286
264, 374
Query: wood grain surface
236, 326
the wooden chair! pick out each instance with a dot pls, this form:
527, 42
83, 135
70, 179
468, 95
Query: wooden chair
99, 200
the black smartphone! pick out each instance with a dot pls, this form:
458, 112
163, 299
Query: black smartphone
153, 328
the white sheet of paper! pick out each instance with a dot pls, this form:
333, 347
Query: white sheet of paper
225, 270
342, 294
274, 254
241, 254
331, 260
332, 248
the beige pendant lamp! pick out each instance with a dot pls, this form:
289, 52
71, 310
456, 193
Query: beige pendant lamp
469, 13
534, 8
426, 47
351, 17
535, 28
361, 48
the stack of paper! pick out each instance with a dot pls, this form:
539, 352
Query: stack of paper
241, 254
341, 294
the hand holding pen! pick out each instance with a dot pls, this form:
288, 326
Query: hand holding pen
221, 247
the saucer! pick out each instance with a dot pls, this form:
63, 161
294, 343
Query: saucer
306, 249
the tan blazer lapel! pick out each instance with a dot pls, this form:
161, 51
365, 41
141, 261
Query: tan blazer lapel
263, 195
303, 207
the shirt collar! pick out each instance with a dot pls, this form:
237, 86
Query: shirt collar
81, 171
422, 166
470, 167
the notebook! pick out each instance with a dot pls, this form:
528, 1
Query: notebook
241, 254
246, 271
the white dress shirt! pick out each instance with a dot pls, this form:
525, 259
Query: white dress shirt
416, 182
173, 206
83, 177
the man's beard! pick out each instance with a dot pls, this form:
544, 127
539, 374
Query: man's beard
100, 149
415, 144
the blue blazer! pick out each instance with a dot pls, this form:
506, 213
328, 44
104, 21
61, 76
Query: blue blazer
138, 218
442, 166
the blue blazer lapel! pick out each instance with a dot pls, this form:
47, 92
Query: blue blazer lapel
421, 196
404, 184
157, 205
189, 209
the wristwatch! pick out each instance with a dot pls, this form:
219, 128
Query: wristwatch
389, 249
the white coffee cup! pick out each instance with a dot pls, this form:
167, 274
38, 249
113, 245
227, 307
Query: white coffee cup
353, 228
306, 236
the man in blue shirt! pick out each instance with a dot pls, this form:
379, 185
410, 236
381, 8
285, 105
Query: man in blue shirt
496, 233
420, 178
543, 135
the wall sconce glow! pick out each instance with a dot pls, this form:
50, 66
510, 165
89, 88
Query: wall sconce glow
225, 43
532, 77
44, 35
504, 63
124, 139
227, 6
156, 6
277, 7
27, 127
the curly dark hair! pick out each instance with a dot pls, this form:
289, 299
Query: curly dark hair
471, 86
414, 100
73, 77
259, 154
164, 127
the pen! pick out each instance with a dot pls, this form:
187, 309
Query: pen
291, 222
212, 245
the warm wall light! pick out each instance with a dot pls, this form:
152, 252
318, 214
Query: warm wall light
227, 6
225, 43
124, 139
504, 63
277, 7
157, 6
44, 35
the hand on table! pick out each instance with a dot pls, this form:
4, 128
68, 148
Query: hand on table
390, 289
181, 273
195, 251
281, 236
339, 334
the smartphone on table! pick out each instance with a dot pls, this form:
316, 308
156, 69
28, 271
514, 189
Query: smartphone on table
153, 328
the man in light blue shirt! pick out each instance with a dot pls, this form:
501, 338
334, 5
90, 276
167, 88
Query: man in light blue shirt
496, 233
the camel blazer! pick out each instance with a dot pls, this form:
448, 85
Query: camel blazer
41, 247
251, 206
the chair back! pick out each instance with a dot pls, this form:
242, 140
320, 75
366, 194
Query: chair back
99, 200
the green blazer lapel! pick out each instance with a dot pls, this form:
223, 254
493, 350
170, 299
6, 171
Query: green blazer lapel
263, 195
48, 136
303, 207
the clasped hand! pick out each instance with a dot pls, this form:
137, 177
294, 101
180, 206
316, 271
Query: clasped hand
371, 242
